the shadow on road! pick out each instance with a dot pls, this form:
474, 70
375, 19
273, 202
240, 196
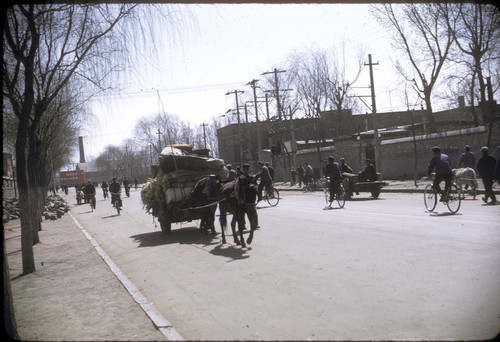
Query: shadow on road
359, 199
444, 213
187, 235
110, 216
230, 251
192, 236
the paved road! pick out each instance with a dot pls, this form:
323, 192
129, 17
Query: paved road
377, 269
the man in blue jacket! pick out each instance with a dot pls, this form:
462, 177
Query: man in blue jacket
441, 165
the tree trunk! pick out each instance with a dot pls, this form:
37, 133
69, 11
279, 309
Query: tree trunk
428, 113
24, 200
34, 174
9, 318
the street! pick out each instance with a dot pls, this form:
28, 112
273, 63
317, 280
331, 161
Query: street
376, 269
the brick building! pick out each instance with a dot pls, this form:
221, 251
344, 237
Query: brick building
404, 140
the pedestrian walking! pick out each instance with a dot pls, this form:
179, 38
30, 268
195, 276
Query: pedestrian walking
467, 159
294, 176
301, 172
486, 169
308, 176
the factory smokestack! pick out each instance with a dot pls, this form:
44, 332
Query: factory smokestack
82, 153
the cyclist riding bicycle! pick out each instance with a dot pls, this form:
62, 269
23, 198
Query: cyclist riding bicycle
115, 189
90, 192
104, 187
265, 180
441, 165
332, 171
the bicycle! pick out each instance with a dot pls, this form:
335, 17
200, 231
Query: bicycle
105, 193
340, 196
272, 198
92, 202
309, 185
452, 198
117, 203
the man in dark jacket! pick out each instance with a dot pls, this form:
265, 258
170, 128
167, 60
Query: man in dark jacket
467, 159
486, 168
332, 171
440, 163
369, 174
115, 189
265, 179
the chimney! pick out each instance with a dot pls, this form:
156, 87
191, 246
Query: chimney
461, 102
82, 153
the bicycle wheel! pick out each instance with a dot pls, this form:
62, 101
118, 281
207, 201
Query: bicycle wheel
430, 197
273, 198
453, 201
341, 197
117, 206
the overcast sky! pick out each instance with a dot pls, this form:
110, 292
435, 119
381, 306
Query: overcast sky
228, 46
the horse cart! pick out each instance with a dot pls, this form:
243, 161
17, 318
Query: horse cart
168, 196
353, 186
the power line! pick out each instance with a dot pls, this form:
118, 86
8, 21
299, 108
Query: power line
186, 89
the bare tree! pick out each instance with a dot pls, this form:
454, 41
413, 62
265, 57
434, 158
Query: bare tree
476, 33
425, 41
46, 46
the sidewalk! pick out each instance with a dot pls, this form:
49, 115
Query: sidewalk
73, 295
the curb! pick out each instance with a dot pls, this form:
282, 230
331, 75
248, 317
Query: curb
160, 322
389, 190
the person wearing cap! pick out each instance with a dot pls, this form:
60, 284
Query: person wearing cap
467, 159
232, 173
486, 169
265, 179
369, 174
441, 165
332, 171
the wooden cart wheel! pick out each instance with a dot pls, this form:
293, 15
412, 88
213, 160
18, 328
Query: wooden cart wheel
375, 193
165, 223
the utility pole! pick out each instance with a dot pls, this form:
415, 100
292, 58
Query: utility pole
235, 92
159, 144
253, 83
378, 162
204, 134
275, 72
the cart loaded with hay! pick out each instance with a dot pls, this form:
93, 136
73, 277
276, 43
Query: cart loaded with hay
167, 195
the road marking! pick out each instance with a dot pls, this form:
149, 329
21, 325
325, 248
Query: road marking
161, 323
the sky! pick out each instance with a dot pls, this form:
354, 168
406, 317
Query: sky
227, 46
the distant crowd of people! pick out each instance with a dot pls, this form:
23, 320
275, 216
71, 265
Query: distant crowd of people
487, 167
305, 175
